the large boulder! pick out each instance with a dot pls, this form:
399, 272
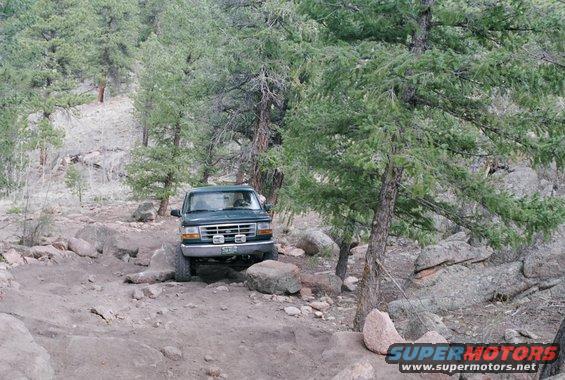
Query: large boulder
96, 234
322, 283
421, 323
274, 277
315, 241
145, 212
379, 332
121, 247
449, 252
521, 181
82, 248
163, 259
547, 259
6, 278
161, 267
13, 258
21, 357
471, 285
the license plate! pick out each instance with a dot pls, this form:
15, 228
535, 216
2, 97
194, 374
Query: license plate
228, 250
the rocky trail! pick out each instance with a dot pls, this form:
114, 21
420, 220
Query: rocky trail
81, 317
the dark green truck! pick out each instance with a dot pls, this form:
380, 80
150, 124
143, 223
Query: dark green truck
222, 224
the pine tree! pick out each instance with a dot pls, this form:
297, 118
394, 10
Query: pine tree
112, 36
168, 103
45, 57
403, 104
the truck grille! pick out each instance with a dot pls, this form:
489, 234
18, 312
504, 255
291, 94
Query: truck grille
228, 230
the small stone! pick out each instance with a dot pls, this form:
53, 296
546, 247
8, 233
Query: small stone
137, 294
97, 288
306, 310
292, 311
91, 278
320, 305
350, 283
208, 358
214, 372
224, 308
222, 288
306, 294
318, 314
295, 252
103, 312
152, 291
172, 353
191, 305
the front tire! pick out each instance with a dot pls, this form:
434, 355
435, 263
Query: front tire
183, 264
273, 255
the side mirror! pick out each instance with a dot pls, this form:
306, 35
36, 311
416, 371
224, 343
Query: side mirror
268, 207
176, 212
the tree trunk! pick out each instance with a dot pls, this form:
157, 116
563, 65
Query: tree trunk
101, 91
163, 206
261, 135
145, 136
276, 184
341, 267
170, 179
370, 282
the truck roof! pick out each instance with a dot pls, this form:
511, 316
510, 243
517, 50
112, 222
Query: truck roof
210, 189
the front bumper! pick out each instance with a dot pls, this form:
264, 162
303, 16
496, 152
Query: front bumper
215, 250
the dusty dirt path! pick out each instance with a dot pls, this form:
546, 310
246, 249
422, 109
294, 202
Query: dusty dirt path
238, 331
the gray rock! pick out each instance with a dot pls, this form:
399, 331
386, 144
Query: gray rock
152, 291
137, 294
322, 283
6, 278
292, 311
350, 284
96, 234
171, 352
82, 248
13, 258
47, 251
424, 322
521, 181
472, 286
449, 252
150, 277
145, 212
120, 247
315, 241
21, 357
163, 259
273, 277
547, 259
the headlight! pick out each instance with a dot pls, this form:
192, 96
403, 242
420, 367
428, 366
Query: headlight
189, 233
264, 228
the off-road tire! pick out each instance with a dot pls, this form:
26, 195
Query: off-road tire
183, 272
273, 255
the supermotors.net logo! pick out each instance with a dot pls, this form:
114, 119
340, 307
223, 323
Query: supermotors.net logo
465, 358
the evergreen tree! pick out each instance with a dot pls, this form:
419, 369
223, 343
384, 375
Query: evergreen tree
168, 103
112, 36
403, 105
45, 57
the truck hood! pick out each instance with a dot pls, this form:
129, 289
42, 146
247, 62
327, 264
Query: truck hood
227, 216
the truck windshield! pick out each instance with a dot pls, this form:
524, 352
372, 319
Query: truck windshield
223, 200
